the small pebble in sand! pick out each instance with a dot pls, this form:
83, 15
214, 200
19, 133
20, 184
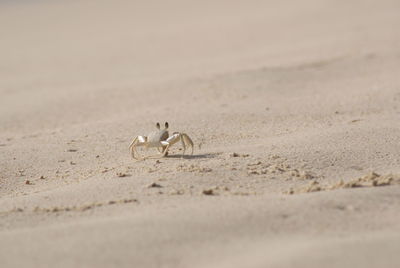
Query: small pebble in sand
121, 175
154, 185
28, 182
97, 156
306, 175
239, 155
254, 164
72, 150
177, 192
208, 192
72, 163
42, 177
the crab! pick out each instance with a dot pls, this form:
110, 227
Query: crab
161, 140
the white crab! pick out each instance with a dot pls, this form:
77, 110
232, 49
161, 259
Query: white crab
161, 140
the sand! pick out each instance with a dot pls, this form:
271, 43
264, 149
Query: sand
294, 110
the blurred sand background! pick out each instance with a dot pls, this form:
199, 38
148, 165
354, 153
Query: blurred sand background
280, 97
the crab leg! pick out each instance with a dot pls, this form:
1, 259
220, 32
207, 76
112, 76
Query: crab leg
138, 141
165, 146
187, 141
184, 138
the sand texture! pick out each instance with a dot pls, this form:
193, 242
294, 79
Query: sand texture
293, 108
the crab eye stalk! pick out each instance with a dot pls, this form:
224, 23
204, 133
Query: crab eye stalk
166, 125
158, 125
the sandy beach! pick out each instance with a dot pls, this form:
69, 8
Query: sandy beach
293, 108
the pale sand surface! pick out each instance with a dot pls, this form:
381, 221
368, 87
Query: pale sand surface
306, 93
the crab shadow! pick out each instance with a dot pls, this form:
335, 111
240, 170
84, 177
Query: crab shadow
195, 156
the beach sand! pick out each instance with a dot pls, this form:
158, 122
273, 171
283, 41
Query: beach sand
293, 108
